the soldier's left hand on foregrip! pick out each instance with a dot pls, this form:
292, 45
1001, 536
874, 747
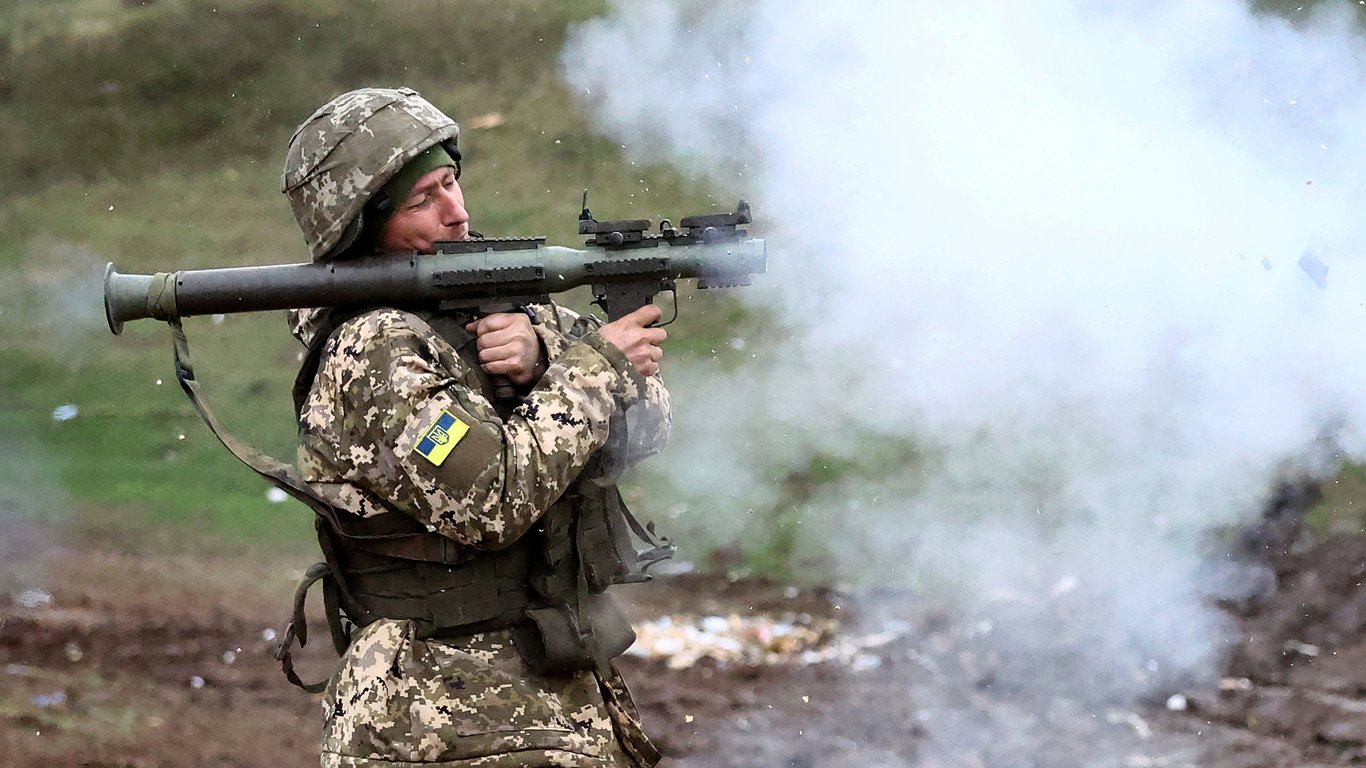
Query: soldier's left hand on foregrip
642, 344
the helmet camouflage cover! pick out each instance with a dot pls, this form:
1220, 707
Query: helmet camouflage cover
347, 151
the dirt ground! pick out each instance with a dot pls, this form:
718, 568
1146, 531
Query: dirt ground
113, 659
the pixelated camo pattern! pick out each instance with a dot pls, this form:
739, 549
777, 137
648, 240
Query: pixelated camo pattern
382, 384
403, 701
469, 701
348, 149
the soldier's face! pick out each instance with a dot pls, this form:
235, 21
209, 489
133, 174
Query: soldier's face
434, 210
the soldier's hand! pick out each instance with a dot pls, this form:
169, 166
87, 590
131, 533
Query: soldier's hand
641, 344
508, 345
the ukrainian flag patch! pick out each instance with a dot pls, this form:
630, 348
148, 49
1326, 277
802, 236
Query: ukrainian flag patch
436, 443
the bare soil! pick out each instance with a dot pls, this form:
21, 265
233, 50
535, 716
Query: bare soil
143, 660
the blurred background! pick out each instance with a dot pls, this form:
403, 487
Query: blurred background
973, 584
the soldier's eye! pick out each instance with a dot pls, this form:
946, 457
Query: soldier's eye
415, 203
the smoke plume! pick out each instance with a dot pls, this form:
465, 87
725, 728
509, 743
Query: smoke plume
1099, 262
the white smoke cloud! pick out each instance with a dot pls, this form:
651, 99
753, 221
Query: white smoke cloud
1071, 249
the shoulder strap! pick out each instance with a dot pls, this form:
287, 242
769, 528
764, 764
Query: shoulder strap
282, 475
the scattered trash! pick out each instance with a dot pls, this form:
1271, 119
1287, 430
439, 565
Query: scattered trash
218, 319
34, 597
73, 651
65, 412
1177, 703
17, 669
196, 682
276, 496
1235, 684
267, 634
229, 657
683, 640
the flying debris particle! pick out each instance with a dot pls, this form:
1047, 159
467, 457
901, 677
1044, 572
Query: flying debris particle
45, 700
276, 496
487, 121
1315, 269
1132, 720
1063, 586
34, 597
1303, 649
1177, 703
65, 412
865, 662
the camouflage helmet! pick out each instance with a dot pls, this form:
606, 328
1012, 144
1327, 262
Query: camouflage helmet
347, 151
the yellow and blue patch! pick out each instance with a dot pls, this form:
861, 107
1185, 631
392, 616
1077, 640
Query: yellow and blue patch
436, 443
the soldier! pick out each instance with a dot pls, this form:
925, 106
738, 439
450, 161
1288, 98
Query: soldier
470, 522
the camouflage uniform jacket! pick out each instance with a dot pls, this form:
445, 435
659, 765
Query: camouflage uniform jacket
466, 702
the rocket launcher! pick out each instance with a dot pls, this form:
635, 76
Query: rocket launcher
625, 263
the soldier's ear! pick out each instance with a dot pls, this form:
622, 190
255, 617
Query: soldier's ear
454, 152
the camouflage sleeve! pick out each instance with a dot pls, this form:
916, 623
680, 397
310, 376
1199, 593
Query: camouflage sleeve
422, 435
649, 420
